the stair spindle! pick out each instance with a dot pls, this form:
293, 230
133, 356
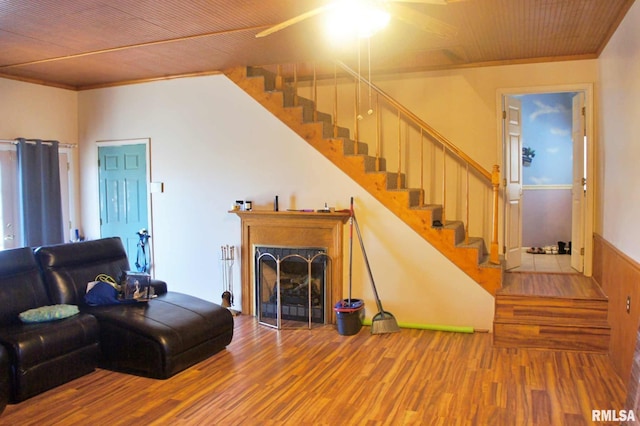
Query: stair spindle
466, 227
421, 199
356, 135
315, 94
378, 140
335, 101
444, 184
295, 85
278, 82
399, 178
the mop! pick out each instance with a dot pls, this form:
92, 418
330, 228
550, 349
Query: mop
383, 321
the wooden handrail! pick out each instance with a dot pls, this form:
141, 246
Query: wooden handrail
417, 120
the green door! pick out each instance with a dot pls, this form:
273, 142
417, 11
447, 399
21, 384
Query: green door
123, 194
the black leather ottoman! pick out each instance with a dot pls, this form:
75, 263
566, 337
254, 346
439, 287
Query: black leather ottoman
155, 339
161, 337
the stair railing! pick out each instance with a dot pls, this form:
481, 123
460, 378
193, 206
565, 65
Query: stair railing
490, 178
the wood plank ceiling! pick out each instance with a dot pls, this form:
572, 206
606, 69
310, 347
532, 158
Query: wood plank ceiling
82, 44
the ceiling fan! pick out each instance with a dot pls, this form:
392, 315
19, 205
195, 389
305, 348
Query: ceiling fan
393, 8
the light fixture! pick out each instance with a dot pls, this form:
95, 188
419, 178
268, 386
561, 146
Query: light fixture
361, 18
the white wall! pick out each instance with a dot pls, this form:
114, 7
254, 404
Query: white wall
619, 135
40, 112
211, 144
34, 111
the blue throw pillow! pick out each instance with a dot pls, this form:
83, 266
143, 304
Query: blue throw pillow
48, 313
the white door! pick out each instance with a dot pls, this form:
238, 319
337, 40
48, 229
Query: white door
578, 189
512, 125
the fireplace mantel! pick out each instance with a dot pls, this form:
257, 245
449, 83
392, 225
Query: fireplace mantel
291, 229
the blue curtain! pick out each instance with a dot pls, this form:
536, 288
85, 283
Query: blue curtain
39, 193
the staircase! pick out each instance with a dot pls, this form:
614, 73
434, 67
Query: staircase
555, 312
317, 128
531, 316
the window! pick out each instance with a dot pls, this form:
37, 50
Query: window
11, 229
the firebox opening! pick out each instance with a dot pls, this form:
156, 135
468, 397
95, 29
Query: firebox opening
302, 274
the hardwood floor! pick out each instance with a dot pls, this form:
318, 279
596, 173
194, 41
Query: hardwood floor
300, 377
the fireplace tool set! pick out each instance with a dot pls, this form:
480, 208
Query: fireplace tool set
228, 258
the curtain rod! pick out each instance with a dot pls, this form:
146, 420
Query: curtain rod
60, 144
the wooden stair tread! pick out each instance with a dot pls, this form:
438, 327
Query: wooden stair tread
550, 285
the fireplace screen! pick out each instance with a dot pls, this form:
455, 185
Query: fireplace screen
291, 285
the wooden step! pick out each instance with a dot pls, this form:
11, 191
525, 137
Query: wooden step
553, 336
509, 307
551, 311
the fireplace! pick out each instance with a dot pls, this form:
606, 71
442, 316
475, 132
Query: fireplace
295, 230
290, 284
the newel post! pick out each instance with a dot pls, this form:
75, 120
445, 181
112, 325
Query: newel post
494, 256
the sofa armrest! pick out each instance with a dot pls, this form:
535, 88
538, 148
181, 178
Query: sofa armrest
159, 286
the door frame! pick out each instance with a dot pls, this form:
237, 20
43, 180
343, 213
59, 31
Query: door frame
147, 143
589, 208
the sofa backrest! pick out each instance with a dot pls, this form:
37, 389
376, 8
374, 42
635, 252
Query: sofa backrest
21, 286
67, 268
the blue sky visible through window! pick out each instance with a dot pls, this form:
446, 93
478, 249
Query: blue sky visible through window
546, 128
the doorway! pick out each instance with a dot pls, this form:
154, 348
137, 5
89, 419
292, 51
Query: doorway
123, 192
548, 189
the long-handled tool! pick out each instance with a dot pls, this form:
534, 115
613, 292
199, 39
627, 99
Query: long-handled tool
383, 321
350, 248
227, 258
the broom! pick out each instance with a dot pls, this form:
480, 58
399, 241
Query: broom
383, 321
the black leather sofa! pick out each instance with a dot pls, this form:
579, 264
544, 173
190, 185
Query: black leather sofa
5, 378
155, 339
41, 355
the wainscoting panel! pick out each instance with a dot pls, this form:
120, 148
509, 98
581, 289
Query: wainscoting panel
619, 277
